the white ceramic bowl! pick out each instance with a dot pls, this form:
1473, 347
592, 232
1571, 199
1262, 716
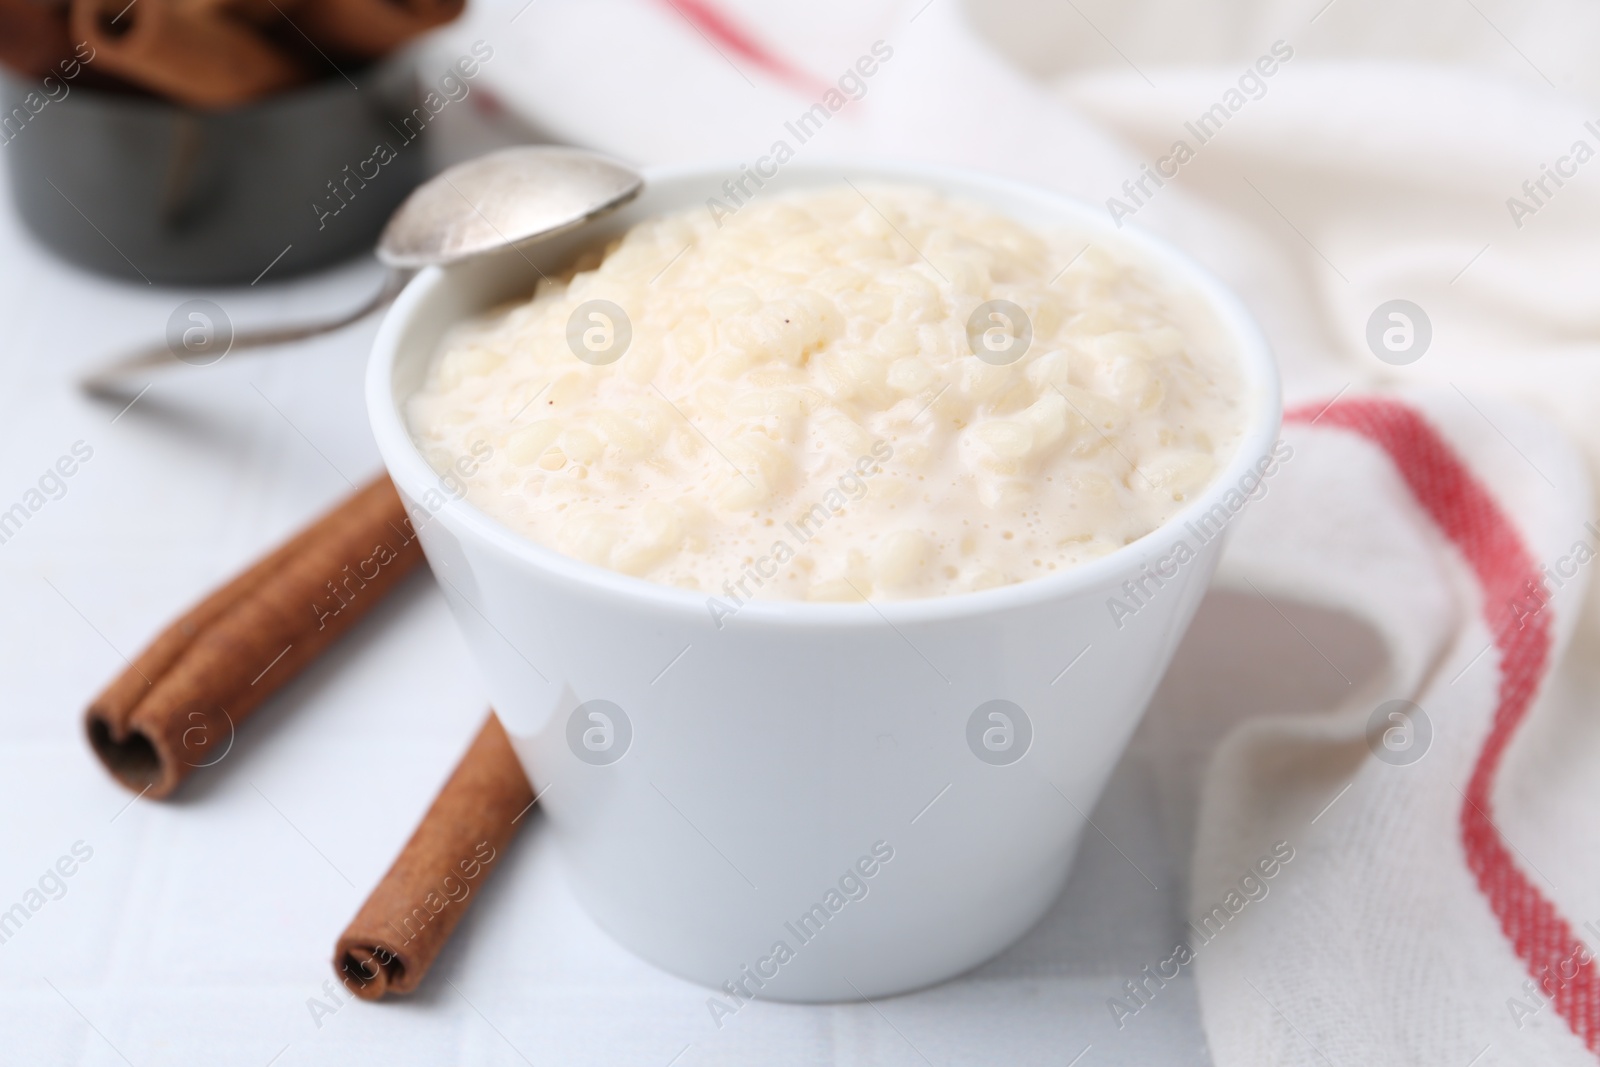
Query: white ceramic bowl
718, 793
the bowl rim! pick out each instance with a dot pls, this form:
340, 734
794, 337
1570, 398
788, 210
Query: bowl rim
1258, 368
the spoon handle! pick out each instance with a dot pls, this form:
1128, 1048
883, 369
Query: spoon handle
111, 381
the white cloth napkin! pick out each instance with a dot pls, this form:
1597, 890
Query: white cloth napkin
1436, 862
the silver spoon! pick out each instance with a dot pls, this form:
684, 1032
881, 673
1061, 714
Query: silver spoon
506, 198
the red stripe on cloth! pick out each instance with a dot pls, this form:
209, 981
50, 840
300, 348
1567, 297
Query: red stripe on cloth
1472, 520
719, 29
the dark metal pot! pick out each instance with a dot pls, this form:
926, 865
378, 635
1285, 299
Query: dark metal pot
140, 188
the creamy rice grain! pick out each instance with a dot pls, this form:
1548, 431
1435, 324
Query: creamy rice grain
799, 413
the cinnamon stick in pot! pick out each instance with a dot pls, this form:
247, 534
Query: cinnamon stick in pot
255, 12
177, 705
371, 28
33, 35
194, 54
403, 925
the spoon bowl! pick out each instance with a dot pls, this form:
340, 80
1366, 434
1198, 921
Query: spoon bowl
505, 198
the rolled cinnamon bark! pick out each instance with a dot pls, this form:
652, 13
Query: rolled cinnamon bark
33, 35
176, 707
193, 54
397, 934
258, 12
371, 28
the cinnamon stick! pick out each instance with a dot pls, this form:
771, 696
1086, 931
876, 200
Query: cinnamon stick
177, 705
255, 12
399, 931
195, 54
33, 36
371, 28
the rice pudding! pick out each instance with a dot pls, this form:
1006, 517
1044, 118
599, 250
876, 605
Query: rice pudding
837, 393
